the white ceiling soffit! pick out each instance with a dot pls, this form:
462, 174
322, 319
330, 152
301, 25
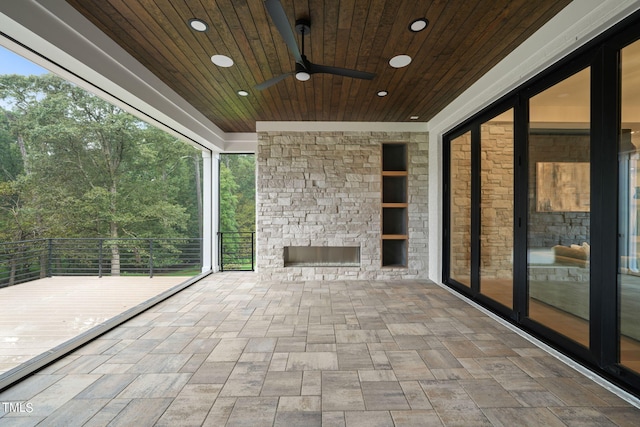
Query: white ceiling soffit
61, 40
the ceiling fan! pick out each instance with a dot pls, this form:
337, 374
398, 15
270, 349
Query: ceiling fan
304, 68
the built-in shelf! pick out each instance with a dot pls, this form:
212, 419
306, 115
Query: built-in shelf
394, 205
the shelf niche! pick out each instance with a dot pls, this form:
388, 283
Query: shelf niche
394, 218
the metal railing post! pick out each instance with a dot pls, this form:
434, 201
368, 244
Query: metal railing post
100, 246
221, 252
252, 255
49, 256
151, 258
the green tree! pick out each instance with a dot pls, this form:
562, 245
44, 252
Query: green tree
89, 169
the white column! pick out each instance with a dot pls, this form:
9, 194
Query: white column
209, 211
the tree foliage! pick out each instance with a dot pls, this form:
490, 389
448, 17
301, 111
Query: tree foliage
237, 193
73, 165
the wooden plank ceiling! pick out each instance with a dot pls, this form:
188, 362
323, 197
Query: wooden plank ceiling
463, 40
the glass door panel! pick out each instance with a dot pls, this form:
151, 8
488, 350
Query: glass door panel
559, 207
496, 209
629, 216
460, 210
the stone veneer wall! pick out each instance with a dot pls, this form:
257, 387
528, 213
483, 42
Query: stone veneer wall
324, 189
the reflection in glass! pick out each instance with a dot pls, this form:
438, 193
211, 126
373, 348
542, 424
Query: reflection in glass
629, 216
496, 207
559, 208
460, 209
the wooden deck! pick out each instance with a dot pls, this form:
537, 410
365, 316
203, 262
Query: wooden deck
39, 315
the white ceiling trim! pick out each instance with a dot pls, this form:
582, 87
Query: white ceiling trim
341, 127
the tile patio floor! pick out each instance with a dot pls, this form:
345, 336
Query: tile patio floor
234, 351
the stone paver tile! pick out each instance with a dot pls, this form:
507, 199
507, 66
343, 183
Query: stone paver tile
383, 395
107, 387
463, 349
155, 386
415, 395
376, 375
108, 413
279, 362
141, 412
194, 363
379, 359
29, 387
291, 344
333, 419
261, 345
507, 417
356, 336
408, 365
299, 404
468, 417
311, 383
354, 356
570, 392
414, 418
83, 364
243, 386
253, 412
302, 419
341, 391
581, 416
220, 411
368, 419
445, 395
59, 393
501, 369
212, 373
191, 406
536, 399
228, 350
624, 417
159, 363
489, 394
200, 345
408, 329
439, 359
282, 384
319, 361
76, 412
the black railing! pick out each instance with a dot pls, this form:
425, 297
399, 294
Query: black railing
27, 260
237, 251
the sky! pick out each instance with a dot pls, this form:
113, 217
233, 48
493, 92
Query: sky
11, 63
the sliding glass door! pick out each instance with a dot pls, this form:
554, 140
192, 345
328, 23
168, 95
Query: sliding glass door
559, 192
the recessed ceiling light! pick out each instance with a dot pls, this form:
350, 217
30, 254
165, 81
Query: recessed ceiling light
383, 93
415, 117
243, 93
303, 76
400, 61
418, 25
198, 25
222, 61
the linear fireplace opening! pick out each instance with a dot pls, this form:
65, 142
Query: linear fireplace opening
322, 256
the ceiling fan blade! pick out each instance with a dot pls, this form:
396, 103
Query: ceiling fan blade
272, 81
280, 20
314, 68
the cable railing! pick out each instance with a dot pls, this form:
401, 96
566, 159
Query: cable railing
26, 260
237, 251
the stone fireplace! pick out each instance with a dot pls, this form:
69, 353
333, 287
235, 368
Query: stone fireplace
318, 196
